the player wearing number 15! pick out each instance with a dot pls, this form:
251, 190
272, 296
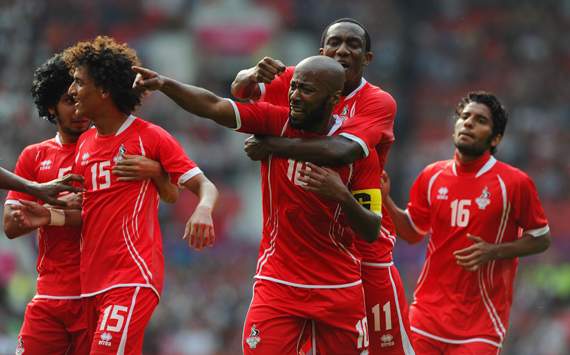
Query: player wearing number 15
122, 264
475, 208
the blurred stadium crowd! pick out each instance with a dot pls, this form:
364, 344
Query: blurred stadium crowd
428, 54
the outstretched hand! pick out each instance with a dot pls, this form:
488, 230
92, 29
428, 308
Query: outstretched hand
472, 257
49, 191
147, 79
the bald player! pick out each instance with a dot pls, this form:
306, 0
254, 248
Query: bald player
308, 271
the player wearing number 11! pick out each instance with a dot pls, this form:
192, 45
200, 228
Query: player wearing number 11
475, 208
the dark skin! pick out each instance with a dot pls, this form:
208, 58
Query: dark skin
345, 42
315, 88
472, 136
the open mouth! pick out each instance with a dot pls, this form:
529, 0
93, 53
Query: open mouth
465, 134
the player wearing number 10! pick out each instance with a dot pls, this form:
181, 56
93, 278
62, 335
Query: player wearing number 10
475, 208
122, 264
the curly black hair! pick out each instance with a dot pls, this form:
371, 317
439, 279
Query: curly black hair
499, 114
51, 81
367, 45
109, 65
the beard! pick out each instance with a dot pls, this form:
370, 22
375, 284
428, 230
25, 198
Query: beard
312, 120
474, 150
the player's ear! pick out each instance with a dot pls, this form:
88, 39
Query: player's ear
51, 111
496, 140
335, 98
104, 93
321, 51
368, 58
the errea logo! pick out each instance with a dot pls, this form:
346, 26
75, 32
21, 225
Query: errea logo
45, 165
105, 339
442, 193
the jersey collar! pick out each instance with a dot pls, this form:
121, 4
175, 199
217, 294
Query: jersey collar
478, 166
362, 83
126, 124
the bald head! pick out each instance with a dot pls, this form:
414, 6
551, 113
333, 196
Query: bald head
324, 70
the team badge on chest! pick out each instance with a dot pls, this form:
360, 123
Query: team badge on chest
483, 201
120, 154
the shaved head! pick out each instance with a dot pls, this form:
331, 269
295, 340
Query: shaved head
327, 71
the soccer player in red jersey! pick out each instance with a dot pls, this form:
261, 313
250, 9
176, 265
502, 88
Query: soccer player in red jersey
368, 114
53, 321
121, 268
308, 269
482, 215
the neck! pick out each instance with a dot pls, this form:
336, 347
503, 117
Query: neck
67, 138
350, 87
466, 158
109, 123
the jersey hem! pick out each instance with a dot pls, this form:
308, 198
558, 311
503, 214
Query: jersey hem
455, 341
50, 297
380, 265
236, 112
414, 226
538, 232
91, 294
188, 175
355, 283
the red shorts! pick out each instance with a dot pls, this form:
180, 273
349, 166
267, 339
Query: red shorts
386, 310
117, 318
280, 317
54, 326
428, 346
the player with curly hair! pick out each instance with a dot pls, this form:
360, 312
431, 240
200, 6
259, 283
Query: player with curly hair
53, 321
122, 264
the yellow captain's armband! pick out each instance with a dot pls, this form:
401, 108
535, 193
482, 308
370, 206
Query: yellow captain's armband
370, 199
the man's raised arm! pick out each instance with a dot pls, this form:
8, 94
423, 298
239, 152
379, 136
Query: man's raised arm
193, 99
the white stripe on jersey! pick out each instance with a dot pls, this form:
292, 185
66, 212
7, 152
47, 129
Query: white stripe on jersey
352, 284
123, 343
406, 343
455, 341
431, 181
491, 310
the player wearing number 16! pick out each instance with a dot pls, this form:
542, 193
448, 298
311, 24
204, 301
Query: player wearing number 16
475, 207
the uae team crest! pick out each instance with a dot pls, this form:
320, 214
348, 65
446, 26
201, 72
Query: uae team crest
120, 154
253, 338
483, 201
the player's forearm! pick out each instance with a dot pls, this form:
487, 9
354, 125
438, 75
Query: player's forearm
168, 192
526, 245
364, 222
11, 181
12, 229
328, 151
244, 86
200, 102
205, 190
404, 227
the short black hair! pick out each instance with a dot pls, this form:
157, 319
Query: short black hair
499, 113
51, 81
109, 64
367, 45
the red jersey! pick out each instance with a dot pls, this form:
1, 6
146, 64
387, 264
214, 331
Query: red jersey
121, 243
58, 254
486, 198
368, 115
306, 241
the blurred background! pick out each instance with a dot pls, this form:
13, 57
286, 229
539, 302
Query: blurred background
428, 54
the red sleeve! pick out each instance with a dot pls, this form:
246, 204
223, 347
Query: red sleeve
260, 118
528, 211
277, 91
25, 167
172, 157
373, 122
418, 206
365, 184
